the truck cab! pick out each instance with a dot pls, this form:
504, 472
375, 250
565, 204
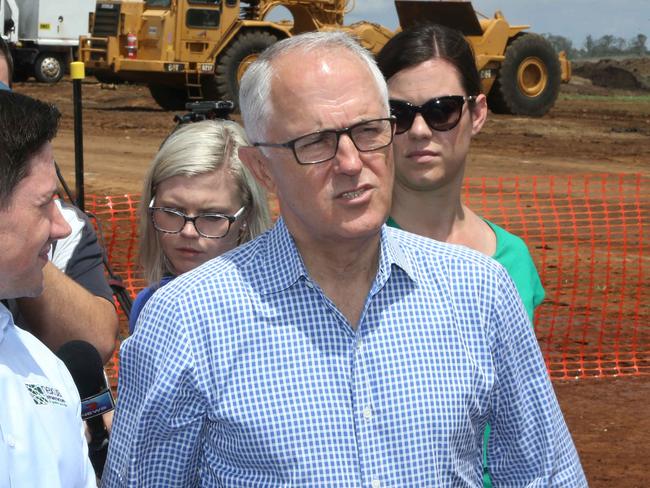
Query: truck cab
44, 35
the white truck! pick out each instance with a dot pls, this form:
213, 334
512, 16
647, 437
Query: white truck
44, 34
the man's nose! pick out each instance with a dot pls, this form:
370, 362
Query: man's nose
347, 159
60, 227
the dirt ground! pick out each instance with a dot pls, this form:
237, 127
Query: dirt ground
592, 129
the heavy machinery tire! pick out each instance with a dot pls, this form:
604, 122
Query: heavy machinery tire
232, 63
529, 78
168, 97
48, 68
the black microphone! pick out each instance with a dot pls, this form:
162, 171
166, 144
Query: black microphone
87, 370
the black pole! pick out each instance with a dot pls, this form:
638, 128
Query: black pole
77, 73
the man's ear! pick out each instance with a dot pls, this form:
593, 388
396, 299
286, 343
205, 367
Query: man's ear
257, 164
479, 113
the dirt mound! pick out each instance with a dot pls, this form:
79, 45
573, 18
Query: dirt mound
621, 73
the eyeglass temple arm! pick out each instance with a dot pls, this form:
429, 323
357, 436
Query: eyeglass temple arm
238, 213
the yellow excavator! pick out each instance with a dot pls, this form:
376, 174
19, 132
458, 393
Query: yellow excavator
187, 50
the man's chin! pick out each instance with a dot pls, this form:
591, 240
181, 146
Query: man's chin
36, 292
29, 291
363, 226
362, 230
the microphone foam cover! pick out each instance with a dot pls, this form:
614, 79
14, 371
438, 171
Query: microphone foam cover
85, 366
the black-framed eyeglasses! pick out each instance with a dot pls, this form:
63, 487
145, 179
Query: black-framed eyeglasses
321, 146
441, 114
210, 225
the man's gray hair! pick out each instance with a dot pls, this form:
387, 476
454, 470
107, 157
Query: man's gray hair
255, 87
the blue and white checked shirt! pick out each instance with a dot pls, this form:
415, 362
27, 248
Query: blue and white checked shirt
242, 373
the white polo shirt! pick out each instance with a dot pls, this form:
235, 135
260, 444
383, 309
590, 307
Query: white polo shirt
42, 439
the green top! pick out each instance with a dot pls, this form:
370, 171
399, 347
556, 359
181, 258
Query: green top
512, 253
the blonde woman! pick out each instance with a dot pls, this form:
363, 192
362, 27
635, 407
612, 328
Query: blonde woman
198, 202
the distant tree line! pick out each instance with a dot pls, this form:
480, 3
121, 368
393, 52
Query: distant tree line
604, 46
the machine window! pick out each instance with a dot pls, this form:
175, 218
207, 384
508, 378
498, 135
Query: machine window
204, 2
158, 3
202, 18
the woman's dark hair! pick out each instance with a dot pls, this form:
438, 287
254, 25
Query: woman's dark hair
423, 42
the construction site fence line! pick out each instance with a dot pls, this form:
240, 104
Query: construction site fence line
588, 235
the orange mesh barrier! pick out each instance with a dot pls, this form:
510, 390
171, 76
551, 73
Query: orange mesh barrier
588, 237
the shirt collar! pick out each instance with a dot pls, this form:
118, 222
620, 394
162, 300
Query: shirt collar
392, 254
283, 266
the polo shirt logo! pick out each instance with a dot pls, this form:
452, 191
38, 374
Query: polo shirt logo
45, 395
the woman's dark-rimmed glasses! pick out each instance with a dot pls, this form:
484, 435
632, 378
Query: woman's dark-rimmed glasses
441, 113
321, 146
210, 225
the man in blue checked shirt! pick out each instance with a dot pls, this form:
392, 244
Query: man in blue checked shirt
332, 350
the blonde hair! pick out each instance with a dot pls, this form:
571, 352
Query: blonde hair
195, 149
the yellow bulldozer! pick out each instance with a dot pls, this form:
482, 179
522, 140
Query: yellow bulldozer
187, 50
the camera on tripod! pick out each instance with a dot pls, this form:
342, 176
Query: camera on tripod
205, 110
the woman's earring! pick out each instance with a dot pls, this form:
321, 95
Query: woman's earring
242, 232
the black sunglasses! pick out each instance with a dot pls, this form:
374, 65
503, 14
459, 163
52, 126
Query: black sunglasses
441, 113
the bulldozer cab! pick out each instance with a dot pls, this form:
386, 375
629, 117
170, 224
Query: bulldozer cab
458, 15
194, 26
203, 24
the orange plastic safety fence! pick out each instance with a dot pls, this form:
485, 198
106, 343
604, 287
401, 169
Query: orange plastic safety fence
588, 235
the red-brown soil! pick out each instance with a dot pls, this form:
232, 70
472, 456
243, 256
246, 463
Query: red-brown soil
592, 129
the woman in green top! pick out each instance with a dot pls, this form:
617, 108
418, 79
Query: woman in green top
435, 95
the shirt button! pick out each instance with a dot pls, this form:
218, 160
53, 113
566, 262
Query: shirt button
375, 484
11, 442
367, 414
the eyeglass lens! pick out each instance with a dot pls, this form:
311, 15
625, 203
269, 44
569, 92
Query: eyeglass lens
366, 136
441, 114
173, 221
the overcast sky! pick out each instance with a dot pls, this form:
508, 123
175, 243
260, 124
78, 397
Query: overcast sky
574, 19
